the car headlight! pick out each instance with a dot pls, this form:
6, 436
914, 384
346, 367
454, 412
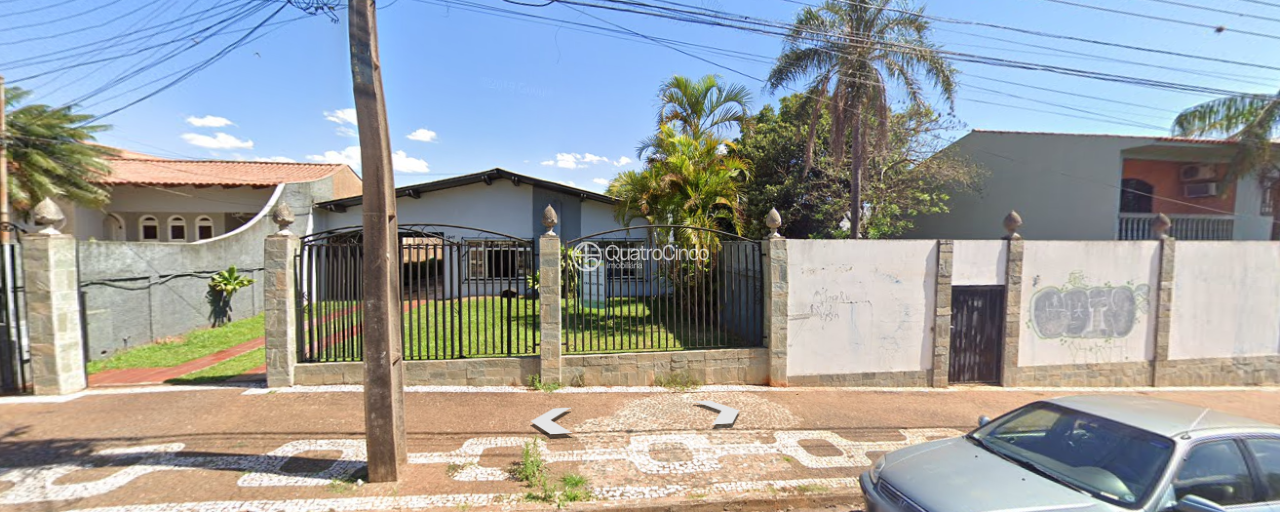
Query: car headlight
875, 469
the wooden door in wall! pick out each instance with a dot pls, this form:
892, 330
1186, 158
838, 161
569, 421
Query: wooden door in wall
977, 331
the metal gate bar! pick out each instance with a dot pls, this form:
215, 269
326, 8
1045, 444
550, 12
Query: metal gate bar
15, 353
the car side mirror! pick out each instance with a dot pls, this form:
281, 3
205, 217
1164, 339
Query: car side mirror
983, 421
1193, 503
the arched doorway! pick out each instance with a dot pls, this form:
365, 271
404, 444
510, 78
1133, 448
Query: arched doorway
113, 228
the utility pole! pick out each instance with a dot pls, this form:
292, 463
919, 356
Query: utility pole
383, 352
4, 170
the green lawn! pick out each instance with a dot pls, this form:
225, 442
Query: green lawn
497, 327
193, 345
225, 370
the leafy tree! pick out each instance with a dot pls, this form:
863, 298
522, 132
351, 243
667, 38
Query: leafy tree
849, 55
1252, 121
905, 178
50, 154
700, 108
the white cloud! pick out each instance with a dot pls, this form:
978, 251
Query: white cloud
209, 121
400, 161
600, 181
217, 141
342, 116
277, 159
622, 161
593, 159
346, 131
575, 160
423, 135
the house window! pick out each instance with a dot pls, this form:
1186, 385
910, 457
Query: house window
149, 228
621, 266
496, 259
177, 229
1135, 196
204, 228
1270, 191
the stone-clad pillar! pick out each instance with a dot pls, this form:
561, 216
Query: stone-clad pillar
549, 299
53, 306
281, 308
1164, 304
1012, 301
776, 294
942, 317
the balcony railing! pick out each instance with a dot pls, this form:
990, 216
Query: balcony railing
1137, 226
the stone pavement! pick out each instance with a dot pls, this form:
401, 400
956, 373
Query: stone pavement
300, 449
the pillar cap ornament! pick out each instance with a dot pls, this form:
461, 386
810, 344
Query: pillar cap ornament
49, 216
774, 221
549, 220
283, 217
1012, 222
1160, 226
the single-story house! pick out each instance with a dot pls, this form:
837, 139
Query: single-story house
155, 199
1103, 187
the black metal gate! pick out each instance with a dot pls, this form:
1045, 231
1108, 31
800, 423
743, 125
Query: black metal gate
977, 331
464, 292
658, 288
15, 354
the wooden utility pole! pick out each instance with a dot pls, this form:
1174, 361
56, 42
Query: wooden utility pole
4, 170
383, 361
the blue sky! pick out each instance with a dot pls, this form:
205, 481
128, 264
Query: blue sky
479, 91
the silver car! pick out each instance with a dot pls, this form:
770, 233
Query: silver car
1088, 453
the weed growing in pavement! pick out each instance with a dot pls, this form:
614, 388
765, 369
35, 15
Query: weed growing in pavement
697, 495
532, 470
679, 381
788, 460
810, 489
575, 489
535, 382
463, 507
453, 469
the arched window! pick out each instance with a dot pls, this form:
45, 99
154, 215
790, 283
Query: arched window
1135, 196
204, 228
148, 228
177, 229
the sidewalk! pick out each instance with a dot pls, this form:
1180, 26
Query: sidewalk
302, 449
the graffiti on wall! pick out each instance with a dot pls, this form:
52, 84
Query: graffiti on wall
1077, 310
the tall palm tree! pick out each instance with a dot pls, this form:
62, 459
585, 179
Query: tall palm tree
700, 107
1252, 121
50, 154
849, 55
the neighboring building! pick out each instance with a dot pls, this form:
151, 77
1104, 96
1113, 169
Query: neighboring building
161, 200
496, 200
1102, 187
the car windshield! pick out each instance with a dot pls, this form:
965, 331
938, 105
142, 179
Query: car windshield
1113, 462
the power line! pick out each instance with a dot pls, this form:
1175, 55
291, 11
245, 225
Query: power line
1212, 9
1215, 28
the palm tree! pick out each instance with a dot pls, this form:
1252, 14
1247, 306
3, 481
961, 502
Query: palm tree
1252, 121
50, 154
700, 107
849, 55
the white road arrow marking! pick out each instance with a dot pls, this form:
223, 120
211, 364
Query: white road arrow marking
727, 416
547, 424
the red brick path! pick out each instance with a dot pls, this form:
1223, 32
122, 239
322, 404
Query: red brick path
136, 376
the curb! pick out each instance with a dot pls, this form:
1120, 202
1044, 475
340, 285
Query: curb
840, 500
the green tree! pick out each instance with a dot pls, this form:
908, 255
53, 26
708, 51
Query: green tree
50, 154
700, 108
905, 177
849, 55
1252, 122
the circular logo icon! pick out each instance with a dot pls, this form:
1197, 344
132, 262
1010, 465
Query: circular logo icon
588, 256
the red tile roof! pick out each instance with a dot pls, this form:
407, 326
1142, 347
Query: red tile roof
130, 168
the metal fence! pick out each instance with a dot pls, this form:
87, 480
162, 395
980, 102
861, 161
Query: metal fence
661, 288
15, 351
464, 292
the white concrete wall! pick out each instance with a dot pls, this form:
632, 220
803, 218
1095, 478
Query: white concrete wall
501, 207
597, 217
1226, 300
858, 306
1250, 224
1088, 302
979, 262
1064, 187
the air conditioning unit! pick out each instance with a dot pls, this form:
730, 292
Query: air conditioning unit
1200, 190
1197, 172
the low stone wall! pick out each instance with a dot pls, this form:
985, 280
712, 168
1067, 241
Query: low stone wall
908, 379
498, 371
1137, 373
724, 366
1226, 371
